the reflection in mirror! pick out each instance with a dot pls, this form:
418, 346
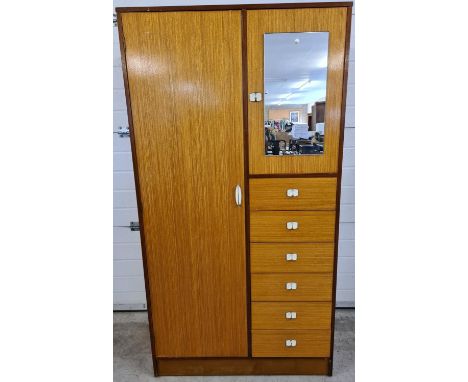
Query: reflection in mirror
295, 70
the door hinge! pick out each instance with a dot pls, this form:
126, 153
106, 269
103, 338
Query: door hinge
134, 226
123, 132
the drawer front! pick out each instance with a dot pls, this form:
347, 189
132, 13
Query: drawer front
308, 287
272, 343
295, 257
291, 315
277, 226
312, 194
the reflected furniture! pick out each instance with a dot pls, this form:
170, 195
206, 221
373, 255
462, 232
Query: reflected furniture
318, 114
239, 244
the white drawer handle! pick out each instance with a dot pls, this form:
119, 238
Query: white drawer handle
292, 225
292, 192
291, 256
291, 286
290, 343
290, 315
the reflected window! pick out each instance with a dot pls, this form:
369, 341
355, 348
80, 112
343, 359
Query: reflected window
295, 83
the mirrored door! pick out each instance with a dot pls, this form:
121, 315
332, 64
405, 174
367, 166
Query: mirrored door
295, 86
295, 60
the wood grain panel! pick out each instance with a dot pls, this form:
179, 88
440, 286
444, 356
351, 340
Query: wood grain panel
311, 257
271, 194
309, 315
309, 343
186, 100
259, 22
270, 226
242, 366
310, 287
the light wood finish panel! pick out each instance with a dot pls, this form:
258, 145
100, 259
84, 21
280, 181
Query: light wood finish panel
310, 287
309, 343
309, 315
314, 194
185, 83
259, 22
311, 257
270, 226
242, 366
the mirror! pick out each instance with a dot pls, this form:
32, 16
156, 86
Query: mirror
295, 83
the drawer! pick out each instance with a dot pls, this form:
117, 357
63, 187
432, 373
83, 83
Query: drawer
308, 343
312, 194
291, 315
309, 286
272, 226
291, 257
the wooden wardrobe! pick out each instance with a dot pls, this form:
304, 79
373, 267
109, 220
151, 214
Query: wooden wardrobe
239, 230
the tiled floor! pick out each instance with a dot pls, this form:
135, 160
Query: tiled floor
132, 354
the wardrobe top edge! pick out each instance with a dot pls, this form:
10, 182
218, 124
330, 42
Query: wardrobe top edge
234, 7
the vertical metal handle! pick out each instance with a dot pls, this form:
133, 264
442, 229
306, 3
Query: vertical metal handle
238, 195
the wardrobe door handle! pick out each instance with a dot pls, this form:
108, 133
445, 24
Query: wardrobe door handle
238, 195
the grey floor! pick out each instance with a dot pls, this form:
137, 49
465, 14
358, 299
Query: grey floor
132, 353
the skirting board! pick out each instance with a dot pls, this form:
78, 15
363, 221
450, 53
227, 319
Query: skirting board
127, 307
345, 304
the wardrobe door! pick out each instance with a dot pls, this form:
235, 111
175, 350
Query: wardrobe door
296, 61
185, 88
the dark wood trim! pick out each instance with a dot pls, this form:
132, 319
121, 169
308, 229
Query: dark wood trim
245, 119
338, 186
137, 187
321, 175
242, 366
234, 7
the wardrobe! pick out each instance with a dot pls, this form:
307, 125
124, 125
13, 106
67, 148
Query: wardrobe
238, 195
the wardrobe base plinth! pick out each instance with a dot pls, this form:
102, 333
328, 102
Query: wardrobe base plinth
242, 366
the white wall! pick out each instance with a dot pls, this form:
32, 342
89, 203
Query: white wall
129, 285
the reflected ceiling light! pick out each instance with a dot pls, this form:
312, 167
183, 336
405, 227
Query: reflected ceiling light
300, 84
309, 84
